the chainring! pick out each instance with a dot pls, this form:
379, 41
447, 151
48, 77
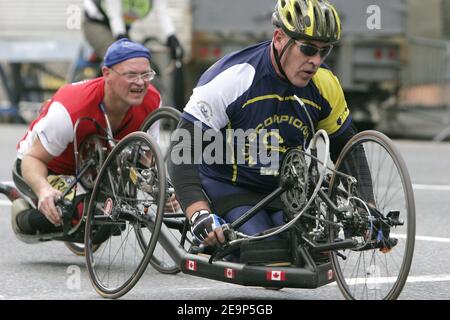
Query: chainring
295, 168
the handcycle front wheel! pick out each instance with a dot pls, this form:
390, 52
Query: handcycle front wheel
160, 124
128, 196
377, 269
79, 248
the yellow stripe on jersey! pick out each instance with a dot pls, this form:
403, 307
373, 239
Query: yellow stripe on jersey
233, 158
279, 98
267, 97
315, 105
331, 90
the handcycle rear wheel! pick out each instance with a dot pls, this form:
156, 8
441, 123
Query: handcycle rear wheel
128, 195
378, 269
161, 124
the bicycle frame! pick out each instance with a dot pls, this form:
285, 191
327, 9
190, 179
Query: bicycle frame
310, 275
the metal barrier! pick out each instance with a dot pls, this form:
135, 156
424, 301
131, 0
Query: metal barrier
36, 53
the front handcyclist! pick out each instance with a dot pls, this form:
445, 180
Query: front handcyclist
253, 89
119, 102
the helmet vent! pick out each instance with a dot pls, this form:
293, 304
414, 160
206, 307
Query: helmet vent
316, 15
307, 21
317, 21
298, 10
289, 18
327, 18
283, 3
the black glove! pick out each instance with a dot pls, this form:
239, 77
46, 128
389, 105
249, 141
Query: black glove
176, 50
203, 222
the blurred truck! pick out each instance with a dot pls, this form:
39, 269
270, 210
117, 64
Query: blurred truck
368, 60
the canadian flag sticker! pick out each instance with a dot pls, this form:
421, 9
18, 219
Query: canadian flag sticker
108, 207
229, 273
330, 274
276, 275
191, 265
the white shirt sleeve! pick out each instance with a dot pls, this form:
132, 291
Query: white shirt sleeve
153, 131
92, 11
209, 102
165, 23
55, 130
114, 11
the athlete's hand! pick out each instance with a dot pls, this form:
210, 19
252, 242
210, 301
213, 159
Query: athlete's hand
176, 50
46, 204
207, 228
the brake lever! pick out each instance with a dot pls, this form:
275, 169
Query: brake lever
226, 248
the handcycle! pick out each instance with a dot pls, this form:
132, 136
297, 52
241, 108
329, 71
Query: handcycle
76, 190
349, 223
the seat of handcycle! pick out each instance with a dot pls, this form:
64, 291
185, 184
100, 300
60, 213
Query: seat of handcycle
21, 184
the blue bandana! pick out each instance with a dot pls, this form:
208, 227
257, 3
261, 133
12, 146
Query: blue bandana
125, 49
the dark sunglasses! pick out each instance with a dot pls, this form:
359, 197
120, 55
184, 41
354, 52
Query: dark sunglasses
310, 51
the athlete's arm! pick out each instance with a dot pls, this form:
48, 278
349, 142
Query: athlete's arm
356, 165
49, 138
186, 179
34, 171
184, 175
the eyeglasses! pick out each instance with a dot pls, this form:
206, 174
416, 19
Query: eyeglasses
135, 77
310, 50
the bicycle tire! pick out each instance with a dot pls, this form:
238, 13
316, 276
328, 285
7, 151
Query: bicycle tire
78, 248
123, 212
160, 260
375, 283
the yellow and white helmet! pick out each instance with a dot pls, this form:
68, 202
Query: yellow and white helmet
308, 20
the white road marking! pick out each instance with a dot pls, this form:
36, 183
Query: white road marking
423, 238
431, 187
385, 280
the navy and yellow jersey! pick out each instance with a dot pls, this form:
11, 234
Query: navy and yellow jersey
243, 91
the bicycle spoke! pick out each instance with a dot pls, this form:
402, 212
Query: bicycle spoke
377, 269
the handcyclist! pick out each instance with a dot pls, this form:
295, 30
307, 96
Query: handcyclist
119, 101
253, 89
108, 20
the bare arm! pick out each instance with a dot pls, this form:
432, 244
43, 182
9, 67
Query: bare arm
34, 171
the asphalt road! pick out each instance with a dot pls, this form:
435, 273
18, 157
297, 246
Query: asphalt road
50, 271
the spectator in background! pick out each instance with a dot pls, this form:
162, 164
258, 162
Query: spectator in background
109, 20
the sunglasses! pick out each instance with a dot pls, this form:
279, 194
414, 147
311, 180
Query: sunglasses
310, 50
